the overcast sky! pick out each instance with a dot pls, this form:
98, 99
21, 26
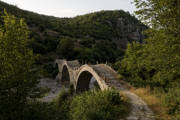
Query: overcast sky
70, 8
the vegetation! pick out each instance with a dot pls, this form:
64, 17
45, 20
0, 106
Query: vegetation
108, 105
154, 102
100, 36
65, 45
156, 62
96, 105
90, 105
17, 74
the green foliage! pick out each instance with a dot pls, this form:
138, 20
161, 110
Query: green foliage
98, 36
66, 47
85, 54
17, 71
161, 52
63, 104
131, 66
101, 52
40, 111
160, 14
156, 62
46, 111
96, 105
91, 105
56, 110
99, 25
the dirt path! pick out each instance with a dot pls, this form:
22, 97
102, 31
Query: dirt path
139, 109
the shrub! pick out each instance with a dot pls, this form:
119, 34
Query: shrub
62, 104
40, 111
97, 105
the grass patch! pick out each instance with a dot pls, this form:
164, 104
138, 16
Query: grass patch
154, 102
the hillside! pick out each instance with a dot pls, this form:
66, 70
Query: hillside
99, 36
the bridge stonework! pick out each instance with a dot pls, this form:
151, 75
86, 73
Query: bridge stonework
80, 76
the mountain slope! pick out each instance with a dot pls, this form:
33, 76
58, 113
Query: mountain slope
99, 36
118, 26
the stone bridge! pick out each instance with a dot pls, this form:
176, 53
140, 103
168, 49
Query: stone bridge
71, 72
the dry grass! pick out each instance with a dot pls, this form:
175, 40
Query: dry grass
153, 102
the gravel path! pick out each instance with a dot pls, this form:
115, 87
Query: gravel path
139, 109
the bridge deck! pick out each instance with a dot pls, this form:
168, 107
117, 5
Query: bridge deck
109, 76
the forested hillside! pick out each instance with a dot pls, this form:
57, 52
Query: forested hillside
100, 36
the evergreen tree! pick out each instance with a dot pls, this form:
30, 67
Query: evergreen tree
17, 76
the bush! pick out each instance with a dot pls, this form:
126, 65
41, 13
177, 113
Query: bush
40, 111
97, 105
62, 104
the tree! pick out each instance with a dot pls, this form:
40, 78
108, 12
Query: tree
66, 47
162, 47
131, 65
160, 14
156, 63
17, 75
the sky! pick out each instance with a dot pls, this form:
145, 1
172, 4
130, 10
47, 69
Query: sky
71, 8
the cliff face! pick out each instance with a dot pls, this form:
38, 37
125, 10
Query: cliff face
116, 26
128, 31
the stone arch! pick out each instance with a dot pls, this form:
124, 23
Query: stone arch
65, 78
84, 77
83, 81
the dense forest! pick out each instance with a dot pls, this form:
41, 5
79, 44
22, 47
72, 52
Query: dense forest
146, 54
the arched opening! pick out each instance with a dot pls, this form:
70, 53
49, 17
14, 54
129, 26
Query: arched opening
85, 82
65, 79
55, 71
93, 84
